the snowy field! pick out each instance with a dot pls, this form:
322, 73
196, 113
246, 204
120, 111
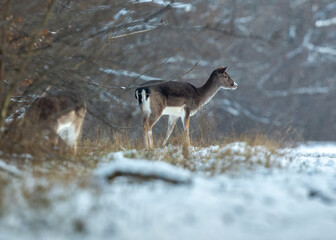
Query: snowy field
290, 194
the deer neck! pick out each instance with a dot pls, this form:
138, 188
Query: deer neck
208, 90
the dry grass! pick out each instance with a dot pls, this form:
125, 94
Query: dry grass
258, 139
45, 160
252, 151
206, 125
3, 184
236, 154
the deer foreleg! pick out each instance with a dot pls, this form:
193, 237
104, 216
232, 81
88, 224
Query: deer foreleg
171, 124
185, 121
78, 127
150, 138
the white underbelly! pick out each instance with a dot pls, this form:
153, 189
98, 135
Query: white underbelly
175, 111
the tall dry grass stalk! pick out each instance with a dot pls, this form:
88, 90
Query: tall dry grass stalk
277, 139
203, 134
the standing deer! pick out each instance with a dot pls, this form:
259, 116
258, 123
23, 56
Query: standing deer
58, 115
178, 100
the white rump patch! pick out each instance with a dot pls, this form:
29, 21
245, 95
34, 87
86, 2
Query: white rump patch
175, 111
145, 108
67, 132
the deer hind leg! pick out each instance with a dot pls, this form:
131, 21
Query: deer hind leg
185, 121
151, 122
145, 132
153, 118
151, 110
171, 124
80, 115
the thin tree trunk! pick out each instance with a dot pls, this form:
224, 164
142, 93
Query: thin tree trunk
14, 83
3, 34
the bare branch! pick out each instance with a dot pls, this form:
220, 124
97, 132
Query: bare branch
107, 122
217, 30
144, 176
13, 83
128, 25
174, 78
4, 27
132, 33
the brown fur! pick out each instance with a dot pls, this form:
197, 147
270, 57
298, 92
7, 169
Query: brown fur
48, 112
179, 94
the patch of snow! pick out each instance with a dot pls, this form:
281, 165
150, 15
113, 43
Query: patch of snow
317, 148
235, 109
298, 91
318, 49
116, 17
127, 74
10, 168
295, 202
292, 31
294, 52
246, 19
325, 23
181, 59
99, 8
297, 3
18, 114
184, 6
121, 13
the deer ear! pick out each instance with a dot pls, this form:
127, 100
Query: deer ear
222, 70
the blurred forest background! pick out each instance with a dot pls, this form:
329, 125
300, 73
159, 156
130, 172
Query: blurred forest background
282, 53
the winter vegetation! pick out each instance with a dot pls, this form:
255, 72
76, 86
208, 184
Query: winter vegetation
255, 163
235, 190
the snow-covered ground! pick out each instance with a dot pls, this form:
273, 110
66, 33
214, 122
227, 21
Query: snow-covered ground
294, 199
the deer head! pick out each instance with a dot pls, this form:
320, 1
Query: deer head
225, 80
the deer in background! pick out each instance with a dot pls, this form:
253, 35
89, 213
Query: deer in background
58, 115
177, 100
